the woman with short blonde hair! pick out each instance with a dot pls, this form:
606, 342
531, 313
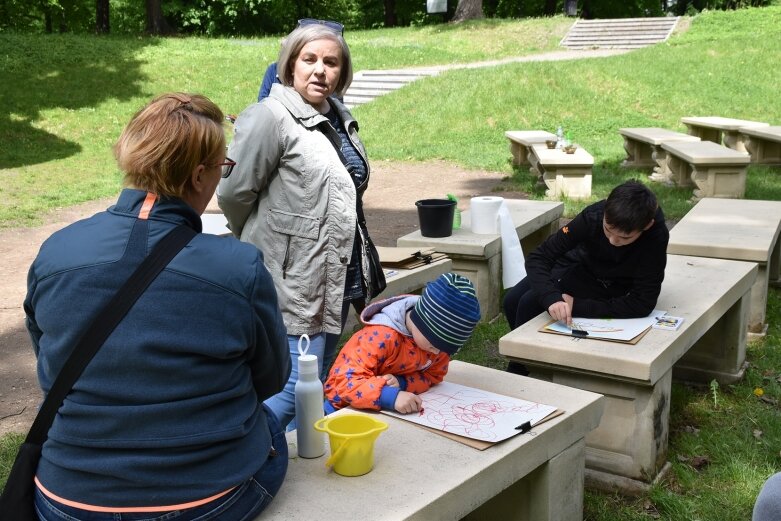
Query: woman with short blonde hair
167, 419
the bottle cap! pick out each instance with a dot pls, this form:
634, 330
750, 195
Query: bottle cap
307, 365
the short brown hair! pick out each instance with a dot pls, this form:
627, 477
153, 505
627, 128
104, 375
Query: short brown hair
302, 35
167, 139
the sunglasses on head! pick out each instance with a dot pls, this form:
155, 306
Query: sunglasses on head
334, 26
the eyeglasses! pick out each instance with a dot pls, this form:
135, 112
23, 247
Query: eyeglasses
334, 26
227, 166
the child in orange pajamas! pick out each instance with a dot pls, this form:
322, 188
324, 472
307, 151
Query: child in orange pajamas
404, 347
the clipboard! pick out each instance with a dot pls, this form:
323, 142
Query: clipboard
480, 444
407, 258
594, 336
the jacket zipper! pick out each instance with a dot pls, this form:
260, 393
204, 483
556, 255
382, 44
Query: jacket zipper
286, 259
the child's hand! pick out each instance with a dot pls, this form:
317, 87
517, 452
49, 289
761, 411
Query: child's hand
407, 402
390, 380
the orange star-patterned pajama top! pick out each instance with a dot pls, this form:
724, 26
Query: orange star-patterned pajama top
356, 376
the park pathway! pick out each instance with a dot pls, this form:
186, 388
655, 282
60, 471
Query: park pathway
585, 39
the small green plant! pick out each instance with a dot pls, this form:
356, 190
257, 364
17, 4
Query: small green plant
714, 391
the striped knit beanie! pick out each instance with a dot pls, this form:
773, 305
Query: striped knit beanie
447, 312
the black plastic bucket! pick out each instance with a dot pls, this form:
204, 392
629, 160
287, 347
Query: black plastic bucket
436, 217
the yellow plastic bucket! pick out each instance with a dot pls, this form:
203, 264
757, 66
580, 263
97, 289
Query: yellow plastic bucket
352, 442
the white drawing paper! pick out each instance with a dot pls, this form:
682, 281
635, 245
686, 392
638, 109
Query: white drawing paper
608, 328
474, 413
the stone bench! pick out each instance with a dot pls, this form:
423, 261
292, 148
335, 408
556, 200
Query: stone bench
521, 140
565, 175
712, 128
478, 256
420, 475
764, 144
628, 451
644, 150
736, 229
716, 171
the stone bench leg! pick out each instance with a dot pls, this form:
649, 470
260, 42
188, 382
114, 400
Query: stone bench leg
720, 354
486, 275
774, 268
719, 181
662, 172
628, 451
735, 140
638, 154
763, 151
519, 153
756, 320
680, 171
553, 491
574, 183
704, 133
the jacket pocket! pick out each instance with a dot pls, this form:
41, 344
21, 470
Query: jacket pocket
294, 224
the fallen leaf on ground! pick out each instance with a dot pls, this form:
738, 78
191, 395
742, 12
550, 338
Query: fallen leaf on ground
758, 433
650, 509
681, 458
768, 399
699, 462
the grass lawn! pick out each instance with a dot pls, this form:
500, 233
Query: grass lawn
66, 99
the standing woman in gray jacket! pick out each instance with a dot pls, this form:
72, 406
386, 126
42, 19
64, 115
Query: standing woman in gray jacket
296, 193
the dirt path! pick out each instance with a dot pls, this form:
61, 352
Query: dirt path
390, 212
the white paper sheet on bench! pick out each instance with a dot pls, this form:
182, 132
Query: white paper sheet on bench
609, 328
475, 413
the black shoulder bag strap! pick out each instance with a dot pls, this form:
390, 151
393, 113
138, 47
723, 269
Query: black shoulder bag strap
16, 503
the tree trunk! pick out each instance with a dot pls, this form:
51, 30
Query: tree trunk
101, 17
155, 22
47, 19
390, 13
468, 10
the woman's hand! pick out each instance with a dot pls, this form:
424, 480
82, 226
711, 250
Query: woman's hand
390, 380
407, 402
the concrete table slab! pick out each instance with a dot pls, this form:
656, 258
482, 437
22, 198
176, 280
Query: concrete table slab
764, 144
643, 149
736, 229
565, 175
716, 171
711, 128
521, 140
420, 475
478, 256
628, 451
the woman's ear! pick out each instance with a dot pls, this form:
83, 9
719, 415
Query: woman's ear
197, 179
649, 224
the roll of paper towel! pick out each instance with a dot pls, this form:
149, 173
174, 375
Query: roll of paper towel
484, 212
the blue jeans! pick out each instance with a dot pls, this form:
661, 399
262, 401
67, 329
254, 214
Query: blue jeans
323, 345
243, 503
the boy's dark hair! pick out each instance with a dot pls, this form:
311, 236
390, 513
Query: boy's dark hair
630, 206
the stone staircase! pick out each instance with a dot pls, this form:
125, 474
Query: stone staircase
368, 85
622, 33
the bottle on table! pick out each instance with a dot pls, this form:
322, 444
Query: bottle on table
309, 404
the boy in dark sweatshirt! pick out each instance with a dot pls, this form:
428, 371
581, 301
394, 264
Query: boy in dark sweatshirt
608, 262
